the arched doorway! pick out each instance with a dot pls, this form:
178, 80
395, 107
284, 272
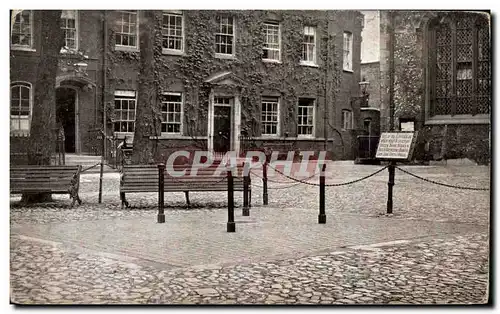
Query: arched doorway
66, 99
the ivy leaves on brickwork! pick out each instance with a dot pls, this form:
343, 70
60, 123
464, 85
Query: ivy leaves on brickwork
287, 78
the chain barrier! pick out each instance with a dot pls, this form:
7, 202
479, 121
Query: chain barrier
88, 168
332, 184
279, 182
277, 188
442, 184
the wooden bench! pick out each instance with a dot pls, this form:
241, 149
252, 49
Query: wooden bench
46, 179
144, 178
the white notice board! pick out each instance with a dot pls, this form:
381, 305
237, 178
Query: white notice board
395, 145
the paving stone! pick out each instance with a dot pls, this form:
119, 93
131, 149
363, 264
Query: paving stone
453, 269
207, 292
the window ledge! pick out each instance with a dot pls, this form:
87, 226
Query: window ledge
225, 56
459, 119
307, 137
22, 48
122, 135
348, 71
172, 52
309, 64
287, 139
271, 61
126, 48
166, 136
19, 134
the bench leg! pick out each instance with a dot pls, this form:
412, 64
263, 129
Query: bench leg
124, 200
187, 199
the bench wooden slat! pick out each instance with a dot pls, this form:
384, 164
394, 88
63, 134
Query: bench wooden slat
39, 179
33, 179
38, 191
144, 179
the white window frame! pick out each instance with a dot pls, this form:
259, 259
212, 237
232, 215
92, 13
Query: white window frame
270, 99
306, 32
31, 46
129, 47
347, 55
313, 106
128, 94
20, 131
266, 24
181, 114
183, 40
220, 54
63, 49
347, 118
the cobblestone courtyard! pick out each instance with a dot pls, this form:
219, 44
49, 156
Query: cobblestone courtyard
434, 249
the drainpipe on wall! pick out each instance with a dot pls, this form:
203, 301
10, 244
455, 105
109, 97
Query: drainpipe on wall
391, 70
327, 80
104, 77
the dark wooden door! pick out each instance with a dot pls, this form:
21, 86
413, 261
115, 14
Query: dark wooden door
65, 116
222, 129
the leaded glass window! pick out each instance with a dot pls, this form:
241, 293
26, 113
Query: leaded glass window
460, 65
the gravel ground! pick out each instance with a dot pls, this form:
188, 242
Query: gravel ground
441, 271
452, 268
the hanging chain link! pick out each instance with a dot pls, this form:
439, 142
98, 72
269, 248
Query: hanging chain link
278, 187
333, 184
269, 180
88, 168
442, 184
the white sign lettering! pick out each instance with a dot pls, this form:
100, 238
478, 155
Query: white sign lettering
395, 145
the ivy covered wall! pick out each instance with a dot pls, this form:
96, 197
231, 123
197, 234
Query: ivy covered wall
410, 52
328, 84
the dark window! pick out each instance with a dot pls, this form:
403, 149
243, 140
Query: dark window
460, 65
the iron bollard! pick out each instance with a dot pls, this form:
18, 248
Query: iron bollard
264, 183
101, 170
322, 215
231, 227
390, 183
161, 193
246, 194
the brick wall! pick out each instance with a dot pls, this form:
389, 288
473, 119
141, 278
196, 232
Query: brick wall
288, 79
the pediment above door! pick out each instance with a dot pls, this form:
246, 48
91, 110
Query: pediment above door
226, 79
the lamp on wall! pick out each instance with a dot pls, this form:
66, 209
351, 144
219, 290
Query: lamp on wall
363, 85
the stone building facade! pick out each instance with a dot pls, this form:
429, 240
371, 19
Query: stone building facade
273, 76
442, 80
79, 79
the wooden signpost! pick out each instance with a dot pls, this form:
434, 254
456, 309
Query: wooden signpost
394, 147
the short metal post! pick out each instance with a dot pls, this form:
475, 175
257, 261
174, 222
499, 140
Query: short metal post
231, 227
63, 152
100, 181
264, 183
161, 193
101, 172
246, 185
390, 183
322, 215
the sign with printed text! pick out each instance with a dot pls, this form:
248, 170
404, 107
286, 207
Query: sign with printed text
395, 145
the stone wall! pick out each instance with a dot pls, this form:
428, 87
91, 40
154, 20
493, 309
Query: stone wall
410, 59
